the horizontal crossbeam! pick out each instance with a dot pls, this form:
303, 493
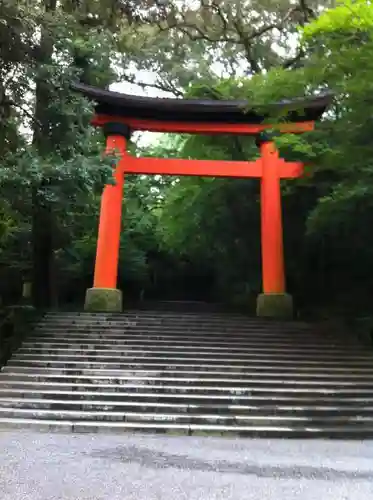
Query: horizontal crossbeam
202, 128
205, 168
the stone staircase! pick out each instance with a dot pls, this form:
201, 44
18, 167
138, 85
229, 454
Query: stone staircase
188, 373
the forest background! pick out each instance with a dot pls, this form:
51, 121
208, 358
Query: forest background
185, 238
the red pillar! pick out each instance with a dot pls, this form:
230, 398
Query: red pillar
107, 254
271, 222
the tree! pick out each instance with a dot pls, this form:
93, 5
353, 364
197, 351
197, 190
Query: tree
333, 202
261, 51
184, 43
37, 97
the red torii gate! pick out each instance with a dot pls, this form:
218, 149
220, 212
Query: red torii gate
120, 114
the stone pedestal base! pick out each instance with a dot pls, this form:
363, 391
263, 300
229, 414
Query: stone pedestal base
103, 300
274, 305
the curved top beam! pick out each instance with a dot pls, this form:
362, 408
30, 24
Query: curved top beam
201, 110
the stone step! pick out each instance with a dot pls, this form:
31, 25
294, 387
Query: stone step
229, 393
213, 333
173, 317
189, 325
158, 383
83, 369
91, 343
185, 408
182, 329
218, 377
128, 353
188, 330
293, 421
82, 405
108, 338
147, 312
119, 350
139, 355
208, 334
191, 373
257, 399
92, 426
76, 353
117, 369
177, 322
280, 431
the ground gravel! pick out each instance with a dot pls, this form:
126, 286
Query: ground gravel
42, 466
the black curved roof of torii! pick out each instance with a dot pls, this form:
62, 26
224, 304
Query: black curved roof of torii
201, 110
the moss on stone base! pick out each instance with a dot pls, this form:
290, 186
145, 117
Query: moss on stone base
274, 305
103, 300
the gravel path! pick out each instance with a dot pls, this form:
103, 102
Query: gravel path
38, 466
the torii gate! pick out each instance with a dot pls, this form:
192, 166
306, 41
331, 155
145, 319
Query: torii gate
120, 114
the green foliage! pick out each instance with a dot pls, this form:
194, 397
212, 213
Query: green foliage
323, 210
342, 41
52, 171
348, 17
203, 230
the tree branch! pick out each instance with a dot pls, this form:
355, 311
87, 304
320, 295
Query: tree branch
158, 86
221, 15
246, 42
195, 32
201, 35
23, 110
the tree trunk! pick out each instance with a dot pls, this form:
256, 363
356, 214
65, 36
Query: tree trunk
42, 215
